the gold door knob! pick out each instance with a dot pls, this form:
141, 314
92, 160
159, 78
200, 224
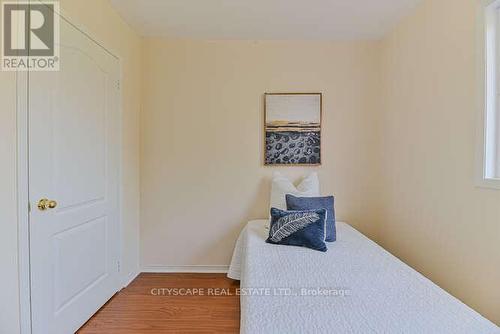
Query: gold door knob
45, 204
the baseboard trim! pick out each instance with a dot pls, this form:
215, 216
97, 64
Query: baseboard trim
129, 278
186, 269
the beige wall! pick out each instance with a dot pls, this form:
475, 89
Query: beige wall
104, 24
431, 214
202, 174
399, 145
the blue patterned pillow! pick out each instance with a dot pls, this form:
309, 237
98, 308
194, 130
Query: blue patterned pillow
298, 228
311, 203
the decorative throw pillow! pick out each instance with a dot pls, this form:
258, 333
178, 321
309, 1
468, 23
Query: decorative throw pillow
281, 186
298, 228
312, 203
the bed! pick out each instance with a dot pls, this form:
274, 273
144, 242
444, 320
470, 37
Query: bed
355, 287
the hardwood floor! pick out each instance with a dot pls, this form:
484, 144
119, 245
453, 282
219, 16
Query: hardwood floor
205, 303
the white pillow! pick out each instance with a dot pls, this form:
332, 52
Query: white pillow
280, 186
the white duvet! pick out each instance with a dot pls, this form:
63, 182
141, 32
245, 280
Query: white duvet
355, 287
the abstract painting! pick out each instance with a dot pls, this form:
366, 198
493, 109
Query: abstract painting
293, 128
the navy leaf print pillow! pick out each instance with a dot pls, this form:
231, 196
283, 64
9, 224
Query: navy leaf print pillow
298, 228
311, 203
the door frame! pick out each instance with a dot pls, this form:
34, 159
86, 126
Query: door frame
22, 178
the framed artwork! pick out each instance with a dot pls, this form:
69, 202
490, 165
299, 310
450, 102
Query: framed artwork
292, 124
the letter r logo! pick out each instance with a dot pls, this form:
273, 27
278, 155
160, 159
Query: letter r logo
28, 29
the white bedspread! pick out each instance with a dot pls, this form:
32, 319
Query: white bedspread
367, 290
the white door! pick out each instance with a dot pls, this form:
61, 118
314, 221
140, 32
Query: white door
74, 164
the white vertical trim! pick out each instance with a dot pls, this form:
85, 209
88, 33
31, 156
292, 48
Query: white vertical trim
23, 202
487, 95
491, 97
124, 276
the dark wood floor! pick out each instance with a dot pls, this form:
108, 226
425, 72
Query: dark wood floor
148, 306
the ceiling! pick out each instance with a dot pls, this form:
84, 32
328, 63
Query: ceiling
264, 19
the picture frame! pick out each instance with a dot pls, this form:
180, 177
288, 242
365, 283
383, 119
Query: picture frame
292, 129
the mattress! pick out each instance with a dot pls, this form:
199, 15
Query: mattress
355, 287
